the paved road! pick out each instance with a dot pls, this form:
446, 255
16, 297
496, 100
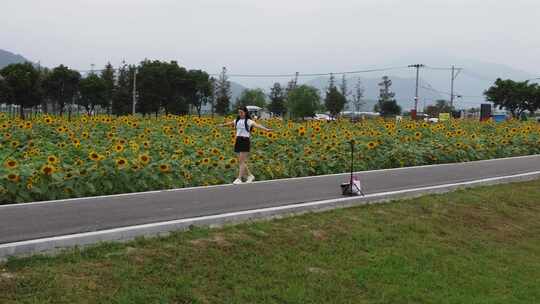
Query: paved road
33, 221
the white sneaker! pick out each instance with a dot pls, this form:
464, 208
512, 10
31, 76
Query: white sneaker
237, 181
250, 179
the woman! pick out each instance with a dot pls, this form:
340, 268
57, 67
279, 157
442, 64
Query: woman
243, 125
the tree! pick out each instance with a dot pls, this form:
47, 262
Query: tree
303, 101
122, 97
251, 97
334, 101
93, 93
199, 89
358, 96
440, 106
108, 76
5, 91
387, 105
390, 108
277, 100
152, 87
513, 96
212, 99
62, 86
223, 96
344, 89
163, 85
21, 85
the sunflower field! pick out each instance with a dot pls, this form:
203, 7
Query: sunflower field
50, 157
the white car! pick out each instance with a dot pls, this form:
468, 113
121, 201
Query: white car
323, 117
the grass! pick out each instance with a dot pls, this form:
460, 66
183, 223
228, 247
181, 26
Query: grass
472, 246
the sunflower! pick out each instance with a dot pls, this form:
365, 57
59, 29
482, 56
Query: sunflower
14, 144
11, 164
371, 145
51, 159
206, 161
48, 120
48, 169
164, 168
118, 148
121, 162
144, 158
94, 156
233, 161
12, 177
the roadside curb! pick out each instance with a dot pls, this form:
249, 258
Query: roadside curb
55, 244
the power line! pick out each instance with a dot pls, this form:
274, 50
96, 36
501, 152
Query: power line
297, 74
440, 68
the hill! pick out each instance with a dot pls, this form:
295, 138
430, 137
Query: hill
7, 58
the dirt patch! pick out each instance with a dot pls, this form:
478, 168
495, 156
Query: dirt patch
7, 275
319, 235
316, 270
217, 239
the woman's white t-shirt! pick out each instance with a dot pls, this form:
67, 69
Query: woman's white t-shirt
241, 127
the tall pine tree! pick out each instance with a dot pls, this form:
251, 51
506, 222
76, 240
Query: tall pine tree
108, 76
334, 101
122, 97
277, 100
223, 94
387, 105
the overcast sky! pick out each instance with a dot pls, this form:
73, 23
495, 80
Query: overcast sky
271, 36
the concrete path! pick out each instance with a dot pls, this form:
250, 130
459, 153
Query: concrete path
28, 223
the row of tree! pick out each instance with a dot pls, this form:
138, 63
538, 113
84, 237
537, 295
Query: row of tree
305, 101
514, 96
160, 86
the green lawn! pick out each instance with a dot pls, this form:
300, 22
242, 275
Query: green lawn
471, 246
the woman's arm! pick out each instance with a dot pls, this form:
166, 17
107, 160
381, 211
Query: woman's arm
230, 123
256, 125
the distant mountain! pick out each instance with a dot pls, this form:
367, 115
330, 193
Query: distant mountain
476, 77
7, 58
402, 87
236, 90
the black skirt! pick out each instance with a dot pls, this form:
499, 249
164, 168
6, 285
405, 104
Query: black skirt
242, 144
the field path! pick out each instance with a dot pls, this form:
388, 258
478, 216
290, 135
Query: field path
29, 222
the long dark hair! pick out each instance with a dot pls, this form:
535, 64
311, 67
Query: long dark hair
246, 117
245, 110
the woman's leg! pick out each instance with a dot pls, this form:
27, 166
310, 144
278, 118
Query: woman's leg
242, 160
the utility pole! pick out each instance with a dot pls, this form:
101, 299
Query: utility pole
134, 91
296, 80
417, 66
454, 76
